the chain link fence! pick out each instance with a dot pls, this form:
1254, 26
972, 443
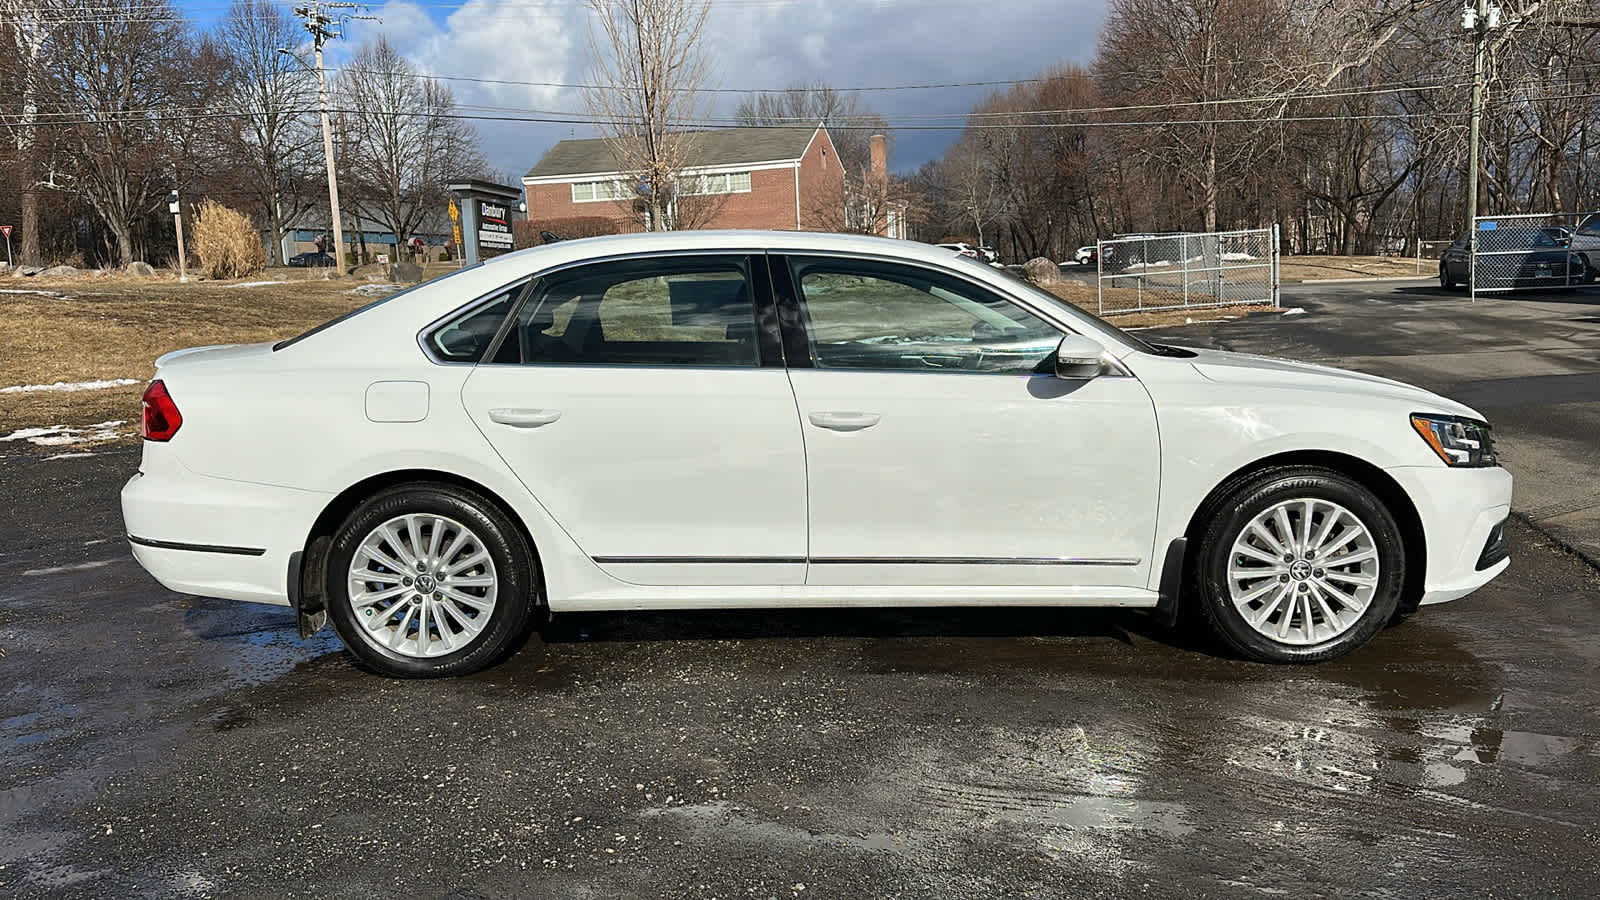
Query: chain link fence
1533, 251
1150, 272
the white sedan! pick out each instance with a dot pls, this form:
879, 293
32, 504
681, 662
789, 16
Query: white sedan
745, 419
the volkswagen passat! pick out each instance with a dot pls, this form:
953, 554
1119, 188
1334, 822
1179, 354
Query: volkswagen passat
746, 419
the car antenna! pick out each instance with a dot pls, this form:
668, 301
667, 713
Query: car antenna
548, 237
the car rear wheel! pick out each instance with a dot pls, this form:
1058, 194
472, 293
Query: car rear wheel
1445, 281
1298, 564
430, 580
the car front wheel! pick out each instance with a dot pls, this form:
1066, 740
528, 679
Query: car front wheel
430, 580
1445, 281
1298, 564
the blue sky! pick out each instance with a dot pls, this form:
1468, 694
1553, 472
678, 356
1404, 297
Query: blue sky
750, 43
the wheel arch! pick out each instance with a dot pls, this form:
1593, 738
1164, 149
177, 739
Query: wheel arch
313, 562
1369, 476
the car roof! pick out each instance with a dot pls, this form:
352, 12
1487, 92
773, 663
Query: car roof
739, 239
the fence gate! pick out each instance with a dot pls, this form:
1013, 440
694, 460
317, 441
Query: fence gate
1534, 251
1149, 272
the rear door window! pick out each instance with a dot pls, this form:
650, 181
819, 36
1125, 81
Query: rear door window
693, 311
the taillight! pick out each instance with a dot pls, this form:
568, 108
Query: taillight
161, 417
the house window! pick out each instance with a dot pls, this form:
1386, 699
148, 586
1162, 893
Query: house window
724, 183
591, 191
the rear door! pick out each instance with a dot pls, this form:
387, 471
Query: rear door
644, 406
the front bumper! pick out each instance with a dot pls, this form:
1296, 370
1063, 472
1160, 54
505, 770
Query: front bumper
1462, 511
216, 537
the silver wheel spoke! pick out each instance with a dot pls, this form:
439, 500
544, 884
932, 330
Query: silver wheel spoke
454, 568
1323, 587
424, 618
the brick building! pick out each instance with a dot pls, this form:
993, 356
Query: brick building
775, 178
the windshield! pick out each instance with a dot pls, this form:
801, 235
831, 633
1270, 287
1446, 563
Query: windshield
373, 305
1076, 313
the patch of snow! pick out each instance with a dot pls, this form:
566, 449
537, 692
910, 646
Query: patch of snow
62, 386
55, 294
70, 456
376, 289
58, 570
254, 283
1294, 311
1234, 256
63, 435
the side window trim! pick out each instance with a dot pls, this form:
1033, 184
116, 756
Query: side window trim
521, 285
791, 317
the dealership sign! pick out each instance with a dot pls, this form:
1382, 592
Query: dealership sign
494, 226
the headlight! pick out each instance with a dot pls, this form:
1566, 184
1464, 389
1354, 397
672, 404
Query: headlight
1461, 443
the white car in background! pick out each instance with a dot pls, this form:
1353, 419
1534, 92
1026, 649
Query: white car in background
700, 420
1086, 255
961, 248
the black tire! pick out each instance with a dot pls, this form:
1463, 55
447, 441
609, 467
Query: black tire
1445, 281
518, 591
1254, 493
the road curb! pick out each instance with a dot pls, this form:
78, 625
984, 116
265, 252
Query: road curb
1354, 280
1560, 543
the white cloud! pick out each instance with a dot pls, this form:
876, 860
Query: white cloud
750, 45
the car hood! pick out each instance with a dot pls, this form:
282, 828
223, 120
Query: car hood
1241, 368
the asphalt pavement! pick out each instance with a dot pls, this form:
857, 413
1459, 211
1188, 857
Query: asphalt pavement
171, 746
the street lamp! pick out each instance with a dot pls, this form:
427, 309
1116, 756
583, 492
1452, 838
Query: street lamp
327, 150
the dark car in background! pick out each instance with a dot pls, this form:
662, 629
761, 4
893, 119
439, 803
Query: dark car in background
312, 260
1516, 257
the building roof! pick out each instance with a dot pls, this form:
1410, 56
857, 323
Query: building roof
721, 147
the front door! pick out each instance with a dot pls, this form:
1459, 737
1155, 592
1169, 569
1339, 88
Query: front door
641, 404
942, 450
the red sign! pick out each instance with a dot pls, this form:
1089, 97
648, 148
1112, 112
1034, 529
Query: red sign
5, 230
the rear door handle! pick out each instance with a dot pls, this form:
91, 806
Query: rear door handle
844, 421
524, 418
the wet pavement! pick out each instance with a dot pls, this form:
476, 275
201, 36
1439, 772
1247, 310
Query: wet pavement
163, 745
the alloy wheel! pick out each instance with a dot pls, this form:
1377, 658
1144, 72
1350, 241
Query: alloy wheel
1303, 571
422, 585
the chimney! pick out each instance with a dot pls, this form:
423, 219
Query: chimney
880, 185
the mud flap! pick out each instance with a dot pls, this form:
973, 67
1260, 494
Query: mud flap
305, 587
1166, 611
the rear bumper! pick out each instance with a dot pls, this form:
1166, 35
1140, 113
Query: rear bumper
216, 537
1463, 511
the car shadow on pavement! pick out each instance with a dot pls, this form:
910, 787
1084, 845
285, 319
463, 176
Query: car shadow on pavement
918, 622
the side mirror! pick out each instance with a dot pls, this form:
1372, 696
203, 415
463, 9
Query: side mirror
1079, 358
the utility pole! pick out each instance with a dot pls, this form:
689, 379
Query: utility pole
322, 27
176, 208
1480, 20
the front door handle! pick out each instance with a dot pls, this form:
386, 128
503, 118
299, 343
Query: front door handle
844, 421
524, 418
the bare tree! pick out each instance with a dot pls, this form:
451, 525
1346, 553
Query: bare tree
117, 67
271, 145
24, 37
405, 139
647, 72
849, 123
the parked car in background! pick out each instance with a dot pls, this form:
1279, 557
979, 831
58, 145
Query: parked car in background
1515, 257
1561, 234
988, 255
705, 419
313, 259
961, 248
1086, 255
1586, 241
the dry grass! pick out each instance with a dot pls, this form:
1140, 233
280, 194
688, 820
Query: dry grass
1085, 297
109, 328
1301, 268
226, 243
